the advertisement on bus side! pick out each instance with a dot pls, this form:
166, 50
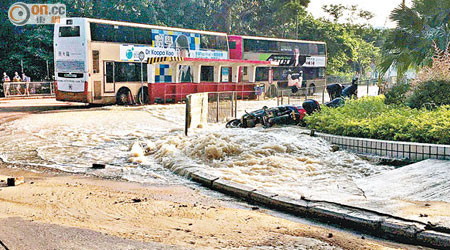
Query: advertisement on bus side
132, 53
170, 43
289, 60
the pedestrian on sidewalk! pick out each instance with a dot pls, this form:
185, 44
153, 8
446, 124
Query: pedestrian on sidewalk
6, 84
17, 78
27, 81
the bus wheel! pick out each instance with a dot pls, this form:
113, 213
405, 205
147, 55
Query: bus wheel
143, 97
123, 97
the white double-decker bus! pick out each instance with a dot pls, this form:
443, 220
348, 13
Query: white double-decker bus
104, 62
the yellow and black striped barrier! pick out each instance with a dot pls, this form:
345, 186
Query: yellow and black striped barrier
152, 60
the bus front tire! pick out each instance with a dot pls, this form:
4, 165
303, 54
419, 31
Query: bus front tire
123, 96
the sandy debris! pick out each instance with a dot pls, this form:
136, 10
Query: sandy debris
173, 215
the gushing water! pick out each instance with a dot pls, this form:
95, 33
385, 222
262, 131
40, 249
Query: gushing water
280, 160
141, 144
147, 144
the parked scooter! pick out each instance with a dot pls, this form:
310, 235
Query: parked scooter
280, 115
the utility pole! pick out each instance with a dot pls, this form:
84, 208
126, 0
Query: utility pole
141, 58
48, 72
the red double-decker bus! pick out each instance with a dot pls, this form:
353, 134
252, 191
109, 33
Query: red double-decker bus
293, 56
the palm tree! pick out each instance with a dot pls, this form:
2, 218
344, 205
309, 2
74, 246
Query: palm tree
419, 27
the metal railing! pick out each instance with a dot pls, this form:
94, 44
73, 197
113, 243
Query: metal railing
287, 96
223, 106
219, 107
320, 94
177, 92
21, 89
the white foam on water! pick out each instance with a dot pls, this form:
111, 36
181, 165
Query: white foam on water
141, 143
73, 140
280, 160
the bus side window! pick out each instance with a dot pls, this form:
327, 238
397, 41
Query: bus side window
207, 74
96, 61
321, 73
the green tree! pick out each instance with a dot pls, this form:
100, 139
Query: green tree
351, 46
410, 44
271, 18
352, 12
254, 17
336, 11
30, 45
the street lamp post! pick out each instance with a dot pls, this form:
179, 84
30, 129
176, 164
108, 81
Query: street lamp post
141, 58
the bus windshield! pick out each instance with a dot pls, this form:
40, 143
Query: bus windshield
69, 31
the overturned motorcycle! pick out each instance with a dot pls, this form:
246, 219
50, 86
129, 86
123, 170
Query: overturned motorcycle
280, 115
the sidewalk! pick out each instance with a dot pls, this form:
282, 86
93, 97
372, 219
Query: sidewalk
9, 98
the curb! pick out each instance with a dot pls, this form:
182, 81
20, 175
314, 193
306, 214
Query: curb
370, 222
396, 152
26, 98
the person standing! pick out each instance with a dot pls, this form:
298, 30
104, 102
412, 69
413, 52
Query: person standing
6, 84
352, 90
17, 78
297, 57
27, 81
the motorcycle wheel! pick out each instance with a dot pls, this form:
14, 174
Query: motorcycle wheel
236, 123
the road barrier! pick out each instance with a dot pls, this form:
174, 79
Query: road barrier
212, 107
23, 89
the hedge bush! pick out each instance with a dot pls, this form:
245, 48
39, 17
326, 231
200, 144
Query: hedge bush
432, 84
397, 94
370, 117
433, 91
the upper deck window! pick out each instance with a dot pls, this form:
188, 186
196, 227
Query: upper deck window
268, 46
69, 31
213, 42
120, 34
322, 49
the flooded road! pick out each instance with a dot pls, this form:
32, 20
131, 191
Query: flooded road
145, 144
279, 160
142, 143
73, 140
